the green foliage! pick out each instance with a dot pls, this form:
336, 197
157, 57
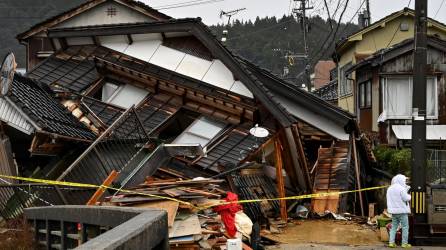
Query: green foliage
395, 161
267, 41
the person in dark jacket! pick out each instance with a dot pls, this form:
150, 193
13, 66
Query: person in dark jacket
398, 205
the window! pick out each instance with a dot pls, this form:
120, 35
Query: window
201, 131
345, 83
397, 97
108, 90
365, 94
124, 95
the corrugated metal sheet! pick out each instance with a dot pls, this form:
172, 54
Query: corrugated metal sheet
13, 117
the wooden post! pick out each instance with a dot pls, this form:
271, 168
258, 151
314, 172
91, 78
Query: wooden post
295, 159
357, 173
279, 178
302, 154
97, 195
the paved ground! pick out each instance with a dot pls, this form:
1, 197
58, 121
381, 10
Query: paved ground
331, 235
341, 247
330, 232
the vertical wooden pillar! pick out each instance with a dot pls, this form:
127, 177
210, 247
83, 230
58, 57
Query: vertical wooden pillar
302, 155
279, 178
357, 173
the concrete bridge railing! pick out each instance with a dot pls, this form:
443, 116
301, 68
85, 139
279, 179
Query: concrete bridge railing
98, 227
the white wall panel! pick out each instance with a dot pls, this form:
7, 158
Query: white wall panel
143, 50
118, 43
149, 48
194, 67
104, 14
219, 75
167, 58
128, 95
239, 88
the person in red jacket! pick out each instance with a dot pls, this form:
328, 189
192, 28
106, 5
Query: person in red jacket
227, 213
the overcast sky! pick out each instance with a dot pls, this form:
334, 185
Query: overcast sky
210, 12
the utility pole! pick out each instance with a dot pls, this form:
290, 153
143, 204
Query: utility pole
367, 18
302, 17
228, 14
418, 166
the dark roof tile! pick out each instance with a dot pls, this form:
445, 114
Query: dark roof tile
70, 72
37, 102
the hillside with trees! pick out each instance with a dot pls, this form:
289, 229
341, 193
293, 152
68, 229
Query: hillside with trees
267, 42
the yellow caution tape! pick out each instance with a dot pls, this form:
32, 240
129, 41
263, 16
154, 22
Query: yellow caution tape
85, 185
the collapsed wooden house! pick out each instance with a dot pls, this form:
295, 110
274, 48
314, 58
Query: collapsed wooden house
139, 84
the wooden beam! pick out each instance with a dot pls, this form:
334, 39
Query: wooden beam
98, 194
279, 179
302, 154
295, 159
357, 173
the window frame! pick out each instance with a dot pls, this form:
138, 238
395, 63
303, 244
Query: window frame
366, 86
345, 84
384, 82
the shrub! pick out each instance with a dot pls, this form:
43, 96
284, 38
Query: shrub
395, 161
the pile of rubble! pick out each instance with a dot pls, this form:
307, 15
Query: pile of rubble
197, 213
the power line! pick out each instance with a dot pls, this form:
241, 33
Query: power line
328, 12
439, 8
334, 35
179, 3
302, 17
397, 28
186, 4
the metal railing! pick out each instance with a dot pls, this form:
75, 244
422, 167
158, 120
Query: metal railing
92, 227
436, 166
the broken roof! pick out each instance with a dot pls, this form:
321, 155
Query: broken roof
37, 103
50, 22
71, 69
267, 88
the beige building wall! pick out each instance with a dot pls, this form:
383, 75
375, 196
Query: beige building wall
381, 37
